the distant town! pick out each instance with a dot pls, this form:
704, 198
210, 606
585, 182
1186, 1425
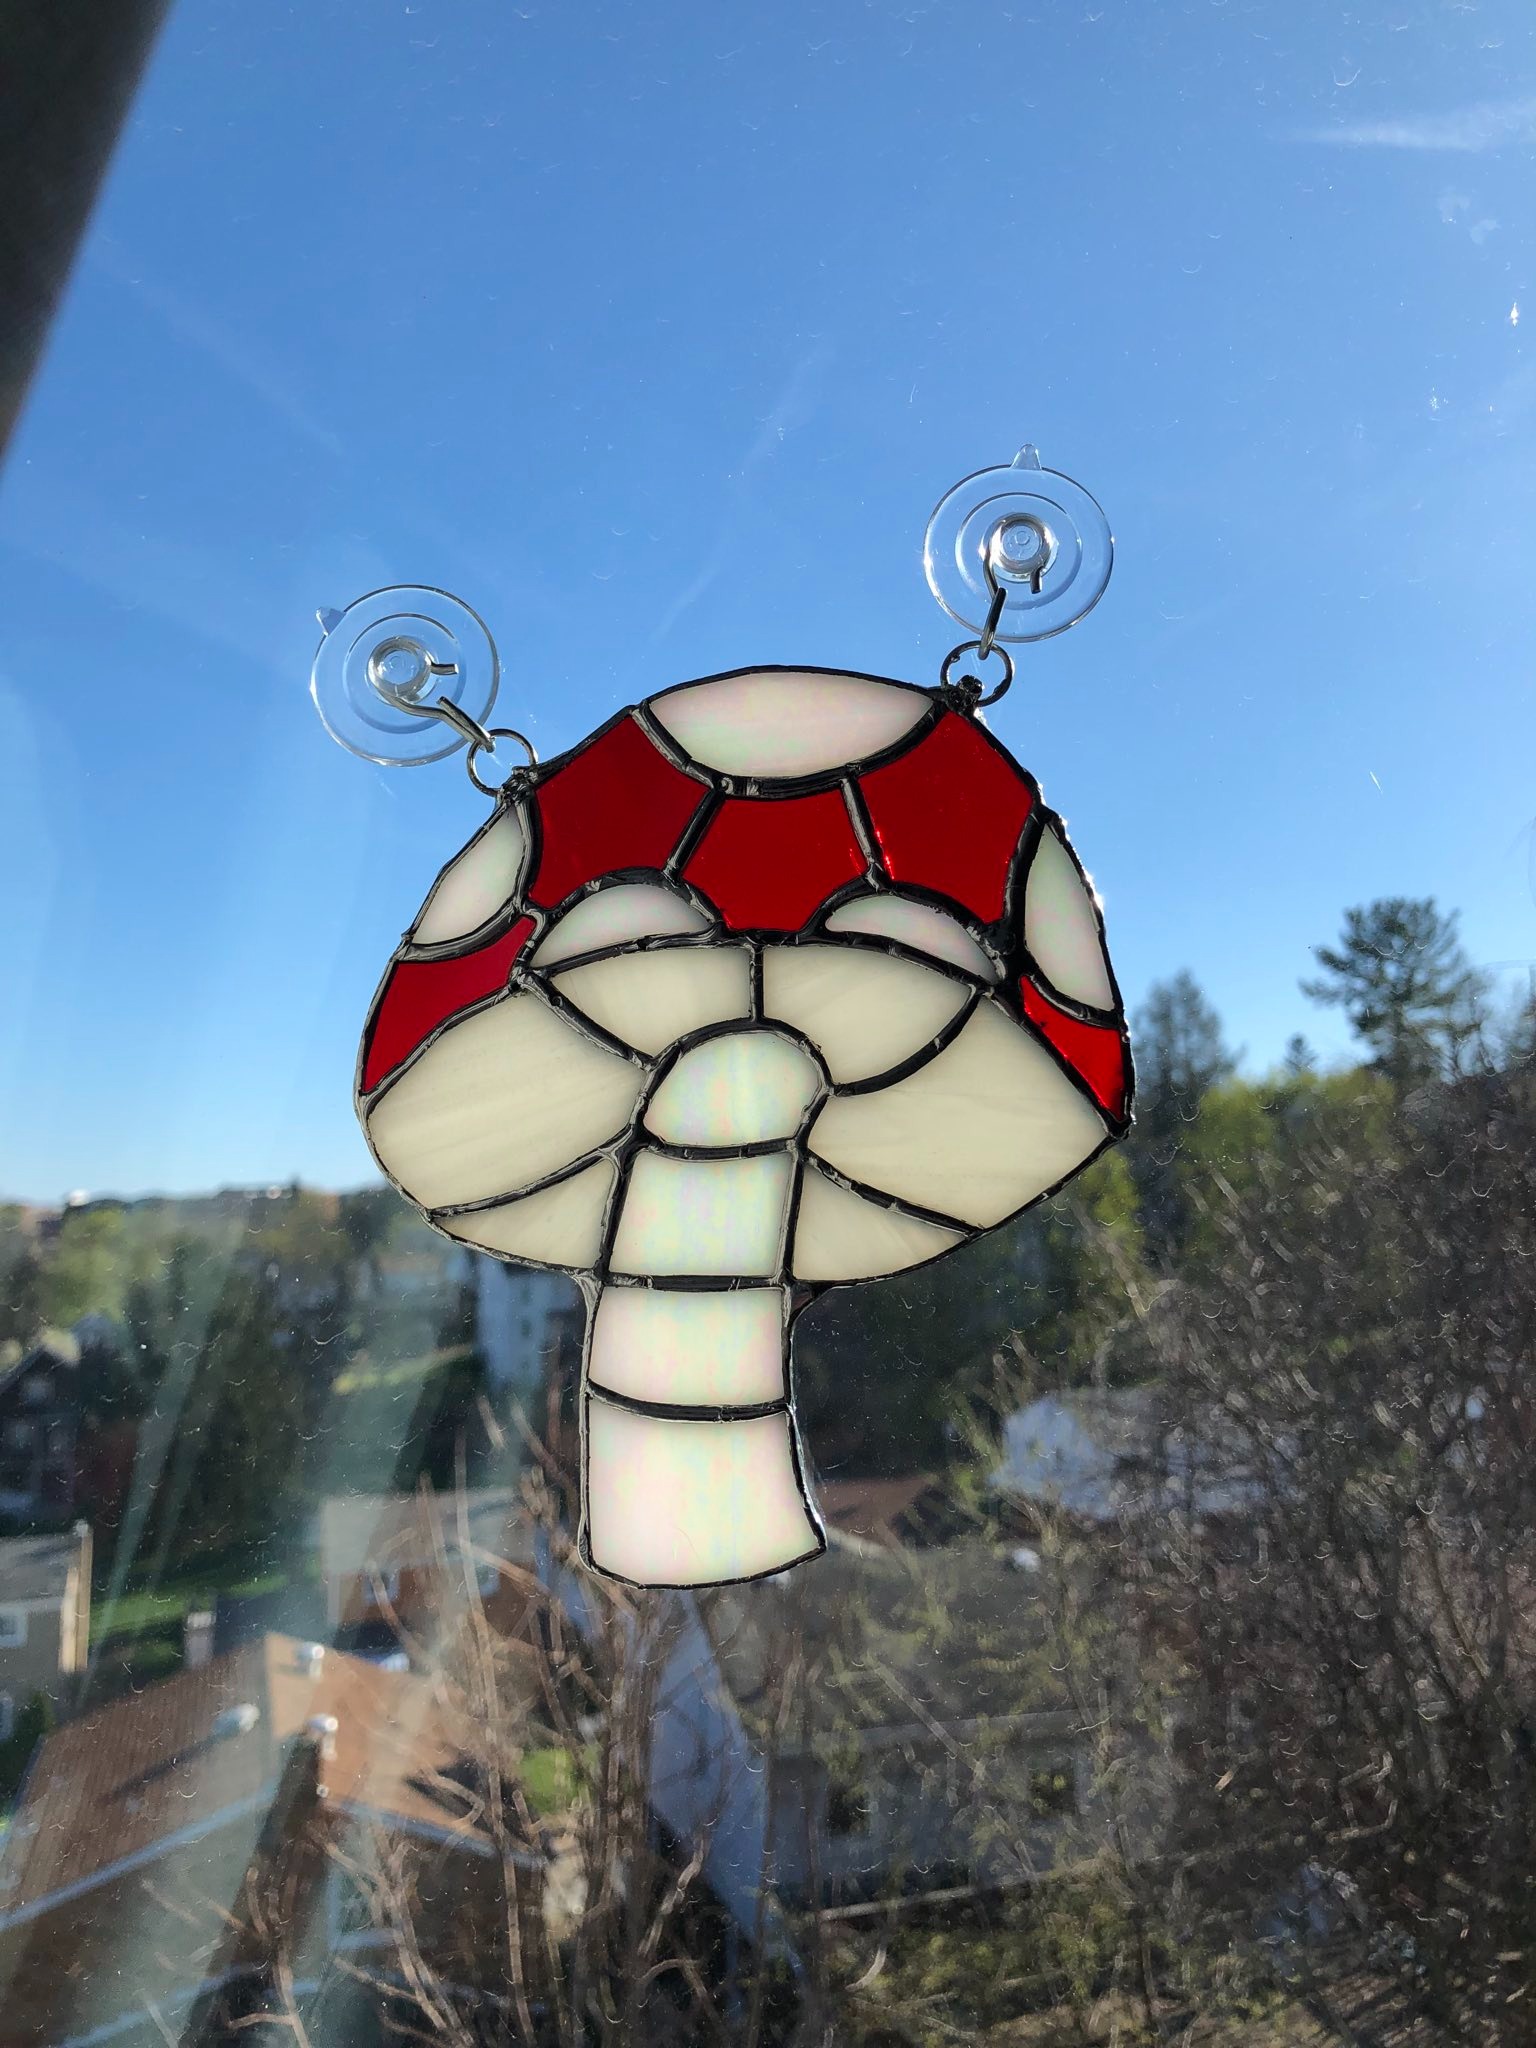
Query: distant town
1167, 1675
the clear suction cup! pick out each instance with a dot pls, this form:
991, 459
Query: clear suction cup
386, 658
1028, 533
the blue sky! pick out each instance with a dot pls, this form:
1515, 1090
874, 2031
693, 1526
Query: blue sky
654, 332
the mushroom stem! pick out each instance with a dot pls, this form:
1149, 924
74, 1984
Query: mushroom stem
691, 1470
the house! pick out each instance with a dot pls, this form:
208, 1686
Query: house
181, 1853
884, 1719
521, 1316
384, 1559
45, 1619
906, 1510
39, 1422
1101, 1455
933, 1737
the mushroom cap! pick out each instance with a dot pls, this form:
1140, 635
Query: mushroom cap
845, 864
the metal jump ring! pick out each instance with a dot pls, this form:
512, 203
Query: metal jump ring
486, 744
979, 699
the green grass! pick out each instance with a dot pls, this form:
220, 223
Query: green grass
552, 1779
386, 1417
363, 1374
147, 1610
137, 1639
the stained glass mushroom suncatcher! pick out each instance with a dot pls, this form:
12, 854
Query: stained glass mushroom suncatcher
781, 980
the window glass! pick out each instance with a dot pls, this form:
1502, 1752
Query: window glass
1159, 1663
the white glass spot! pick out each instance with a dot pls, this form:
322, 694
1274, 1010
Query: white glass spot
795, 722
650, 1000
917, 925
1060, 928
509, 1095
865, 1012
674, 1503
715, 1216
738, 1089
692, 1350
632, 910
840, 1236
477, 885
559, 1226
982, 1128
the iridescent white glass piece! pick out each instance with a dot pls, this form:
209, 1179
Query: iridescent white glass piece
979, 1130
650, 1000
714, 1216
738, 1089
671, 1503
478, 885
781, 722
507, 1096
841, 1236
561, 1225
1061, 928
632, 910
693, 1350
917, 925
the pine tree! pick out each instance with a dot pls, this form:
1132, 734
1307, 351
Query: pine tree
234, 1470
1300, 1059
1400, 976
1180, 1056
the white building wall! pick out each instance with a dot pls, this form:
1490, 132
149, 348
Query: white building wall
513, 1306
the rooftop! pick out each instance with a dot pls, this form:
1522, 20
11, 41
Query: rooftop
51, 1347
37, 1567
876, 1510
1101, 1453
387, 1531
951, 1634
209, 1745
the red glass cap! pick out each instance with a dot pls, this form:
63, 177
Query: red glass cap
1096, 1053
617, 803
768, 864
948, 814
421, 994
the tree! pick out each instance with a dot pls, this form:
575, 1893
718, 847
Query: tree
33, 1722
235, 1465
1086, 1267
86, 1270
1180, 1051
1519, 1046
1300, 1059
1349, 1375
1180, 1056
366, 1217
21, 1300
1400, 976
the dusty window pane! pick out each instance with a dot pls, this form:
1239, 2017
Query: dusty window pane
1162, 1664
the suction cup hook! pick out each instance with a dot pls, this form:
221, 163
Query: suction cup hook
1018, 552
393, 668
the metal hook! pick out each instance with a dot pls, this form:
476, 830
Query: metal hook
994, 613
482, 739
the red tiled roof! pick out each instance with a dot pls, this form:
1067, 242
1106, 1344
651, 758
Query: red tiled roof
871, 1508
124, 1779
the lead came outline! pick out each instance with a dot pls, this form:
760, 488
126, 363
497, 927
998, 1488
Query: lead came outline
1002, 940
